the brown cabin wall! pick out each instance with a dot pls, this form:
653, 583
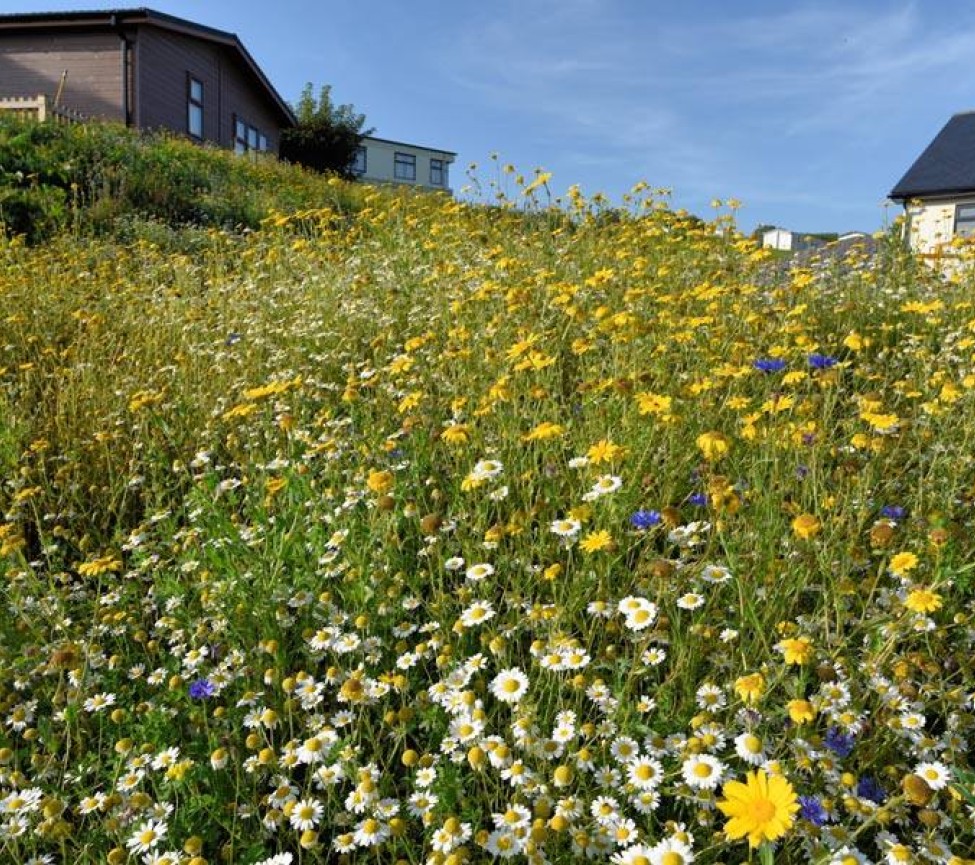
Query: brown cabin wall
165, 61
33, 63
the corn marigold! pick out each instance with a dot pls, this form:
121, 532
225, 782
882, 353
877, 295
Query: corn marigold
761, 809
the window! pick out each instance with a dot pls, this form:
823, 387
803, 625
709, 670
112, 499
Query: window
247, 137
359, 161
438, 174
964, 219
404, 166
194, 107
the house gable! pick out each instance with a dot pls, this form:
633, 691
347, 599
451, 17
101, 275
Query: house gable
137, 66
946, 168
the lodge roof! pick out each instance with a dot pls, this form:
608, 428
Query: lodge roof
947, 165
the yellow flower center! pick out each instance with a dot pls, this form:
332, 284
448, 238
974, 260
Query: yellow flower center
762, 811
702, 770
671, 858
511, 686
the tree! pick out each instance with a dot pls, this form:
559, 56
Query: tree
326, 136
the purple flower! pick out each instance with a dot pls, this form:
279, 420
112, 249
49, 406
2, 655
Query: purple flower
812, 809
893, 512
869, 788
769, 364
644, 520
838, 742
201, 689
821, 361
697, 499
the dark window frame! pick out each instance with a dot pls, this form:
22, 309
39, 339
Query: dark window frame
965, 219
404, 166
194, 107
247, 138
438, 172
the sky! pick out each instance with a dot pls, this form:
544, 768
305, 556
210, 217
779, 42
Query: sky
807, 113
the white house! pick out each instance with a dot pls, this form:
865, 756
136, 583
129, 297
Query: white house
777, 238
380, 160
938, 191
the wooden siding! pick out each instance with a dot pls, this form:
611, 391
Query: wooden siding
164, 63
32, 64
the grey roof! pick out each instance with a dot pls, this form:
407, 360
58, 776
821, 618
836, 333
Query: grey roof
116, 18
947, 165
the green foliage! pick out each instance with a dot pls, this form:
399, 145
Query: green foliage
327, 134
94, 178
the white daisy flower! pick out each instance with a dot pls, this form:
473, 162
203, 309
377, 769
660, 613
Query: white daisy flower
510, 685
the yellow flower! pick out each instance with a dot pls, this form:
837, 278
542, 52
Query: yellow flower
595, 541
796, 651
97, 567
750, 688
545, 430
655, 404
380, 481
763, 808
456, 434
903, 563
604, 452
801, 711
806, 526
923, 601
713, 445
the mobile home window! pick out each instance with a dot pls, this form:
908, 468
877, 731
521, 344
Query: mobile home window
359, 161
964, 219
194, 108
404, 166
437, 172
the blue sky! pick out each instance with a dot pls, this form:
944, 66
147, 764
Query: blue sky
807, 112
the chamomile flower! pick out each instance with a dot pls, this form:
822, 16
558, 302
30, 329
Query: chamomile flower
510, 685
644, 773
935, 774
703, 772
478, 572
146, 836
750, 748
477, 613
566, 528
670, 851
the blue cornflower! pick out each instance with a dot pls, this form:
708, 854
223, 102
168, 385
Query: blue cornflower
821, 361
812, 809
869, 788
893, 512
201, 689
838, 742
643, 520
769, 364
697, 499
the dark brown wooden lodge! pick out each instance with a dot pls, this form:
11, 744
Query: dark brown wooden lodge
145, 69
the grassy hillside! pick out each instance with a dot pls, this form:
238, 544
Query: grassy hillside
407, 530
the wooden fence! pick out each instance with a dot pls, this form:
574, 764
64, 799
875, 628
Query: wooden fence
40, 108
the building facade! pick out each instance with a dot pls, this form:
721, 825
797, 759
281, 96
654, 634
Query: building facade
145, 69
380, 160
938, 193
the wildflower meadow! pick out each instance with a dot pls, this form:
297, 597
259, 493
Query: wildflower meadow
403, 528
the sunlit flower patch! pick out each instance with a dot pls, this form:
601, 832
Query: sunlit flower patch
438, 533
